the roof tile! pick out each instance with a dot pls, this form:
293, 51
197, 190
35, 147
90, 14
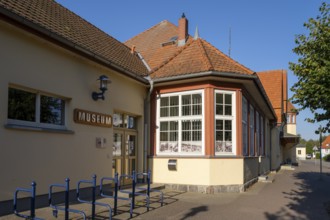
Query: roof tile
55, 18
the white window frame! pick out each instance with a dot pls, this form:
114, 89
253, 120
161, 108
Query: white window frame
179, 119
226, 117
37, 123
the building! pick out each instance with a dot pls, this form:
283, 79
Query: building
275, 84
325, 149
300, 152
52, 128
198, 119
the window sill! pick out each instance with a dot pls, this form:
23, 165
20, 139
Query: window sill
38, 129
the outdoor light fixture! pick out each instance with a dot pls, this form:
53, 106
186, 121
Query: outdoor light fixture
104, 80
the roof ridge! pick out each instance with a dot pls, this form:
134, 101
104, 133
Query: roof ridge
228, 58
147, 30
172, 57
205, 56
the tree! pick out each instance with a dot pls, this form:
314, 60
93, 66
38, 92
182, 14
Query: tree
312, 91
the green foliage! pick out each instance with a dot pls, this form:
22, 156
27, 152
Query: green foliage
310, 144
312, 91
317, 155
326, 158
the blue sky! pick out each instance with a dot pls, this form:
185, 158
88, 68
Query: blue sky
262, 31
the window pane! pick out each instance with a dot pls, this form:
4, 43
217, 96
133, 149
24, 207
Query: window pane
228, 110
228, 125
196, 99
164, 101
130, 122
164, 126
219, 124
228, 99
219, 98
219, 110
186, 110
186, 100
117, 120
21, 105
52, 110
117, 142
164, 112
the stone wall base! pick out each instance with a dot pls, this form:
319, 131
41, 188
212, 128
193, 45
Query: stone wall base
212, 189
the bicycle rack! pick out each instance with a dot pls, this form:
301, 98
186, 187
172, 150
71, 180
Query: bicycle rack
133, 193
32, 190
93, 202
115, 192
66, 208
148, 189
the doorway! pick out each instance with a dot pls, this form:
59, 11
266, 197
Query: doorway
124, 145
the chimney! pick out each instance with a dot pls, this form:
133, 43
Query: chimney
183, 30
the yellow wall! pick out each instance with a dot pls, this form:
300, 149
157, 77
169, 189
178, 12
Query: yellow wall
198, 171
50, 157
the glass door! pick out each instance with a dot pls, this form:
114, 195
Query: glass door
124, 144
124, 153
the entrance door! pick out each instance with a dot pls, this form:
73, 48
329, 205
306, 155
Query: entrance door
124, 153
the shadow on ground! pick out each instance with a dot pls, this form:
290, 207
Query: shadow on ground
310, 198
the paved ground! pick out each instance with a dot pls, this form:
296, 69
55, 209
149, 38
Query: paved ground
294, 194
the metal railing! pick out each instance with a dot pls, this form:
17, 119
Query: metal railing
93, 201
32, 191
66, 208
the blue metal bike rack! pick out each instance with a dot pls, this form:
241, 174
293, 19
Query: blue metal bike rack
114, 192
133, 192
32, 191
66, 208
93, 202
148, 189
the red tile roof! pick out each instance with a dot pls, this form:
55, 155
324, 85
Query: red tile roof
326, 143
170, 60
275, 84
59, 21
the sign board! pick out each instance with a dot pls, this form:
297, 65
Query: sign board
315, 148
92, 118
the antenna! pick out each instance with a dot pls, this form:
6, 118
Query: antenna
229, 50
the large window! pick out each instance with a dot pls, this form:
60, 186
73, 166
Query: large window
31, 108
257, 139
180, 123
262, 136
245, 126
251, 124
225, 128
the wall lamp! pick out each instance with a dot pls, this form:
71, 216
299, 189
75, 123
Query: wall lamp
104, 81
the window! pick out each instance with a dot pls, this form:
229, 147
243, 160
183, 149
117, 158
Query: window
31, 108
180, 123
245, 126
124, 121
225, 122
257, 139
262, 136
251, 123
299, 152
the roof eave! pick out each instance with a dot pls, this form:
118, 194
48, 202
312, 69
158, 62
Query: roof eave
68, 44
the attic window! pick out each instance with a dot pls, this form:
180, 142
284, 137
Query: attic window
171, 41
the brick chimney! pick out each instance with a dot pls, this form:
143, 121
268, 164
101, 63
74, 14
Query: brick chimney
183, 30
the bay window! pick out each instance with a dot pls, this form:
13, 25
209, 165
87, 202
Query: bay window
180, 123
225, 121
